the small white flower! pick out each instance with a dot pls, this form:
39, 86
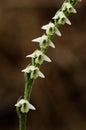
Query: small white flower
34, 72
61, 18
24, 106
44, 41
68, 7
51, 29
39, 57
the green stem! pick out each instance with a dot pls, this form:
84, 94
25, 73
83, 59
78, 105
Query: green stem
29, 83
28, 86
22, 122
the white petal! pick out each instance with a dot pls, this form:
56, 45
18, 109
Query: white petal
38, 53
37, 39
31, 55
51, 44
24, 70
32, 68
68, 21
45, 27
58, 32
74, 10
29, 68
31, 107
46, 58
17, 104
55, 17
35, 53
40, 74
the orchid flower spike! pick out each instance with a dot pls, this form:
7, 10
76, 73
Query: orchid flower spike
68, 7
33, 71
39, 57
51, 29
60, 18
44, 42
24, 105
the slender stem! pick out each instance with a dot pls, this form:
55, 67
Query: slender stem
22, 122
28, 86
29, 82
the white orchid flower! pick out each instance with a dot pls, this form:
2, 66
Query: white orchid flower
39, 57
67, 6
24, 105
51, 29
34, 72
61, 18
44, 42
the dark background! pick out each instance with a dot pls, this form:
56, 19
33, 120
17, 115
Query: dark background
60, 98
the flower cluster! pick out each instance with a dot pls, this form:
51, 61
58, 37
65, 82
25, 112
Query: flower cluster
44, 41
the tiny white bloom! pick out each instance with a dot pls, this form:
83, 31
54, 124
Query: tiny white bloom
39, 57
44, 41
67, 6
34, 72
51, 29
24, 105
61, 18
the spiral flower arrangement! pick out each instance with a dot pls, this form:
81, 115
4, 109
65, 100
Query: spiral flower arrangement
32, 71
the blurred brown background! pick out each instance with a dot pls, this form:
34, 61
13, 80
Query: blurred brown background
60, 98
